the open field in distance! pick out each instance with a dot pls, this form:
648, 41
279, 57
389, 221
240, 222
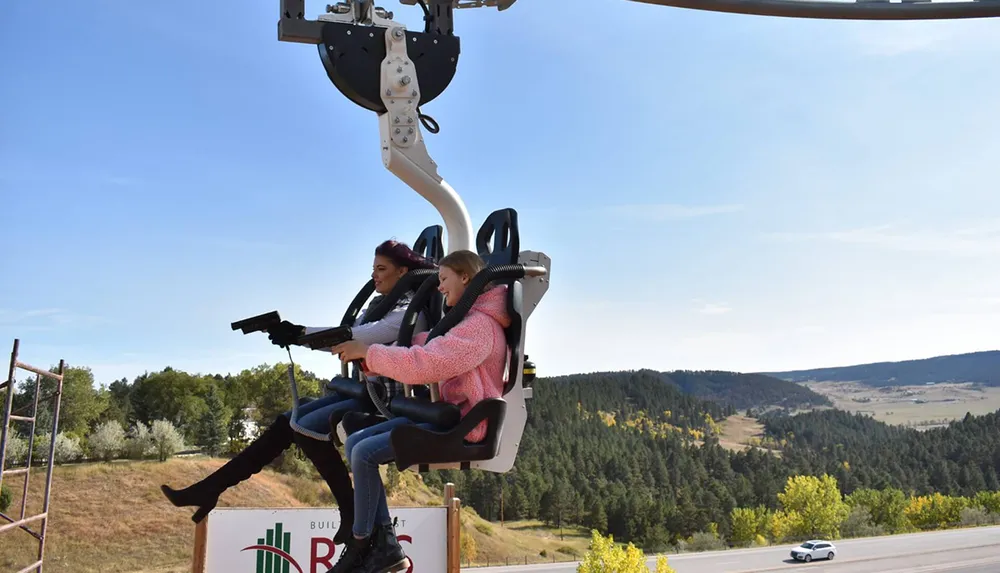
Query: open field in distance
920, 406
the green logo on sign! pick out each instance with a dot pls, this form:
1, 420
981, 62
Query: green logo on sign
273, 551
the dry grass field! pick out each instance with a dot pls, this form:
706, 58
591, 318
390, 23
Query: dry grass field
112, 517
740, 433
917, 406
920, 407
737, 431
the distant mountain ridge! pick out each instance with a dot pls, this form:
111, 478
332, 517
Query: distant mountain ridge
982, 367
744, 391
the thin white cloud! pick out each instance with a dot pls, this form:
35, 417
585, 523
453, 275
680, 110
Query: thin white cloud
711, 308
672, 211
14, 316
44, 318
968, 241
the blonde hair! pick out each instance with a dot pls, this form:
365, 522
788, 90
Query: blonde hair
464, 263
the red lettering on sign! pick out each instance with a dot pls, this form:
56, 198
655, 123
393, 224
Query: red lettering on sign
316, 559
327, 560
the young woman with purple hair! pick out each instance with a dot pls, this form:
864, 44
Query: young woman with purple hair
392, 260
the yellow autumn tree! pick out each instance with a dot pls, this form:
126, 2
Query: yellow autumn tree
606, 557
935, 511
781, 524
988, 500
714, 428
815, 505
748, 523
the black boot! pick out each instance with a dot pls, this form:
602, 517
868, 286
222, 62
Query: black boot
205, 494
385, 554
331, 467
352, 559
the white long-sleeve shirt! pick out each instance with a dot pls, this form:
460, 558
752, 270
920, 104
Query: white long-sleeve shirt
384, 331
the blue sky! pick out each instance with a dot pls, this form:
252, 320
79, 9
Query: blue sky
715, 191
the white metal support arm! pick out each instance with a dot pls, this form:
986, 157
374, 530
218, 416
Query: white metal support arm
403, 150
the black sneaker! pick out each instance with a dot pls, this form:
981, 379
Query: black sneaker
353, 557
385, 554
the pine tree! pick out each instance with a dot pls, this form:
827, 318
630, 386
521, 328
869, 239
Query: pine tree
212, 430
597, 517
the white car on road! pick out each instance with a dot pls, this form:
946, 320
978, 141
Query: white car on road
814, 549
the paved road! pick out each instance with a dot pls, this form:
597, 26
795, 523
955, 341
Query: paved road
975, 550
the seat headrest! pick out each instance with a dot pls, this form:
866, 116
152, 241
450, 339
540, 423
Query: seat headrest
429, 243
498, 241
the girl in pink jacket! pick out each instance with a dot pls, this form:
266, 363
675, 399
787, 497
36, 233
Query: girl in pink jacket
469, 361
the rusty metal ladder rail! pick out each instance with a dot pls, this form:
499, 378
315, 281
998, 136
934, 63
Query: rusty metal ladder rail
8, 416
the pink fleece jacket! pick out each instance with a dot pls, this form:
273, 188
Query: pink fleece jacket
471, 358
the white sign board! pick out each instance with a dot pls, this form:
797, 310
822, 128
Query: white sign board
300, 540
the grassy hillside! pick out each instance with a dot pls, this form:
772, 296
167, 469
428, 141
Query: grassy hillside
982, 367
112, 517
743, 391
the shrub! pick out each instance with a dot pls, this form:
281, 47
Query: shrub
108, 440
974, 516
234, 447
571, 551
67, 449
704, 541
606, 557
988, 500
859, 524
140, 442
309, 491
290, 463
6, 498
167, 441
17, 449
468, 548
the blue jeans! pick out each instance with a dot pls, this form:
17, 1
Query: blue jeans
314, 415
365, 450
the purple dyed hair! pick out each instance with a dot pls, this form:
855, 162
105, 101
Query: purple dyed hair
402, 255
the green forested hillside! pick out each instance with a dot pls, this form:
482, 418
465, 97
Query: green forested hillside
959, 459
744, 391
617, 452
627, 453
981, 367
649, 483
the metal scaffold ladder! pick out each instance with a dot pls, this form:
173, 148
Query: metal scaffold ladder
9, 522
